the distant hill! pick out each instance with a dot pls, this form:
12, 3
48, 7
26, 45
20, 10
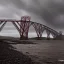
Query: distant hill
42, 38
33, 38
17, 38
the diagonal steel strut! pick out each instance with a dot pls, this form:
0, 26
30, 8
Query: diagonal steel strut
3, 24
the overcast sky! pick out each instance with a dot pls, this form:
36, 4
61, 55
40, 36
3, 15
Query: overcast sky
47, 12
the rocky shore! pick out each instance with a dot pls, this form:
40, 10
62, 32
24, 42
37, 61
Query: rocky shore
10, 56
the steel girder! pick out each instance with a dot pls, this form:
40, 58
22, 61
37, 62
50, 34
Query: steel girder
2, 24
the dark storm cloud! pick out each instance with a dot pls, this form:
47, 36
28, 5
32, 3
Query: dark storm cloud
17, 3
57, 11
49, 10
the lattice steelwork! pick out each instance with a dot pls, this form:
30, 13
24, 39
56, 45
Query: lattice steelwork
24, 24
48, 34
39, 29
2, 24
24, 27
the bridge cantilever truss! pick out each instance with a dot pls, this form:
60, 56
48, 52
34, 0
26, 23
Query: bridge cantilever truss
23, 26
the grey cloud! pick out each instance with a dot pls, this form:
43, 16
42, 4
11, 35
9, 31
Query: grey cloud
47, 9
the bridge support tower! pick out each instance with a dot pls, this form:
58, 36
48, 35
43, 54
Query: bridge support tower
39, 29
24, 27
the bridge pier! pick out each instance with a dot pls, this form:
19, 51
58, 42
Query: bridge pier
48, 34
39, 29
54, 35
24, 27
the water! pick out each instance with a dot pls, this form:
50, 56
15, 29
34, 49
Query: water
43, 49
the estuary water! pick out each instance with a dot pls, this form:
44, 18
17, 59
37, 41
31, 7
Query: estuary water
43, 49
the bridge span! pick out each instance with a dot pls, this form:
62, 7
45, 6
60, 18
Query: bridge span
24, 24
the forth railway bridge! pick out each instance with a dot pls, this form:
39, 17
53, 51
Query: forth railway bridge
24, 24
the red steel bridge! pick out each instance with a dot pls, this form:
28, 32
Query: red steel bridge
24, 24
